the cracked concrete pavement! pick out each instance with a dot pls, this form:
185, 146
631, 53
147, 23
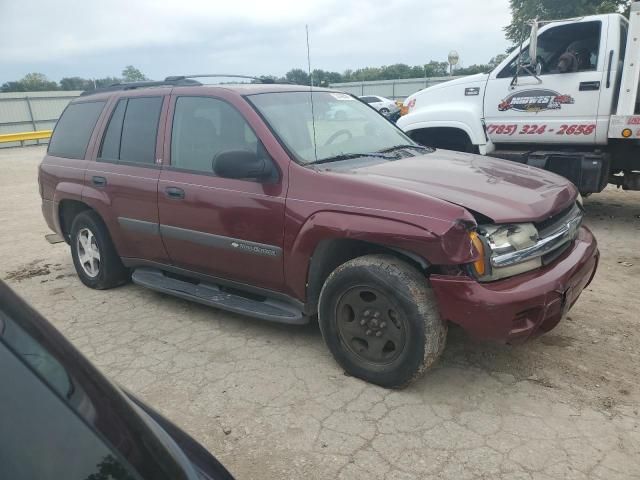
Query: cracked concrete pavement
269, 401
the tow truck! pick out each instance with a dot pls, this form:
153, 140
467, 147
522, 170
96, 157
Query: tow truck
565, 101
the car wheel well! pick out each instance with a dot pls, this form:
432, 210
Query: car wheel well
330, 254
67, 211
448, 138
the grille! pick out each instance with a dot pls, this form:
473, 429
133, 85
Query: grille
552, 224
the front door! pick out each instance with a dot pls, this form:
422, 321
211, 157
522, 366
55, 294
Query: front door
561, 105
228, 228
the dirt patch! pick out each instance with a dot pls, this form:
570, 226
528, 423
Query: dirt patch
30, 270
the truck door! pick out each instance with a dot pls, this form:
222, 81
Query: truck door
561, 104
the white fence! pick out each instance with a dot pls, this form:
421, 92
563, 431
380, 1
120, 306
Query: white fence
31, 111
394, 89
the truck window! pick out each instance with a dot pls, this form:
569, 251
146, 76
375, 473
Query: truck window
132, 131
573, 47
140, 130
74, 128
202, 128
110, 149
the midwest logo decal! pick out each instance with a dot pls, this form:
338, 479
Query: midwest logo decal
535, 101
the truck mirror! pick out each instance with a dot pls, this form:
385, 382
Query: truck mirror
533, 43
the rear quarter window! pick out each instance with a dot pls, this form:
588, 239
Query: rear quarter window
74, 128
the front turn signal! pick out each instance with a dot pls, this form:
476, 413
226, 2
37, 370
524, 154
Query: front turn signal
479, 265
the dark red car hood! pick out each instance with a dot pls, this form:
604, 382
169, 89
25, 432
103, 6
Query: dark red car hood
502, 190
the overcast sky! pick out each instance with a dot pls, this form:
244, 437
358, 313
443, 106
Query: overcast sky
98, 38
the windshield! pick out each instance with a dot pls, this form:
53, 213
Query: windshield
344, 126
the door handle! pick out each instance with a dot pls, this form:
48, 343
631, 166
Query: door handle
584, 86
174, 192
99, 181
609, 69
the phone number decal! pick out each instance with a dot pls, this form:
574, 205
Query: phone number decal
537, 129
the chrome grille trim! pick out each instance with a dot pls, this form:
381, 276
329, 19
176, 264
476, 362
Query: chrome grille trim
553, 237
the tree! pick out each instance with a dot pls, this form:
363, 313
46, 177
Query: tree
436, 69
298, 76
132, 74
31, 82
524, 10
12, 87
37, 82
76, 83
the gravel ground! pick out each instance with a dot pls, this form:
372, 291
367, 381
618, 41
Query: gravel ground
270, 403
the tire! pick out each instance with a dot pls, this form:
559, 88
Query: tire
384, 111
105, 271
408, 320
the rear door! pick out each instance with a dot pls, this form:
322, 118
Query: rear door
228, 228
560, 107
122, 182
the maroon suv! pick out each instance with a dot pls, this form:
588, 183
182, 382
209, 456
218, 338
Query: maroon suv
281, 203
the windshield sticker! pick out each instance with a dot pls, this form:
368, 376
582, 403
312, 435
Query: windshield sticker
342, 96
535, 101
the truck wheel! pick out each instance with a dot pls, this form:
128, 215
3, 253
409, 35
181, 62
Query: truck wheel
379, 319
94, 256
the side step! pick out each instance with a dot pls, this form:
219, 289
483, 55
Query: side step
219, 297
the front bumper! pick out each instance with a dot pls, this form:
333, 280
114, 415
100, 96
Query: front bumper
517, 308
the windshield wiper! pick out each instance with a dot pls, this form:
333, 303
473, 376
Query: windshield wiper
349, 156
401, 147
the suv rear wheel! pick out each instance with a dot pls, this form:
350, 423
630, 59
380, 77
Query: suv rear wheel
94, 256
379, 319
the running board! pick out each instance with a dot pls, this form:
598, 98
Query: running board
219, 297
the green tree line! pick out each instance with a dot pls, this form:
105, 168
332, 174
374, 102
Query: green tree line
38, 82
34, 82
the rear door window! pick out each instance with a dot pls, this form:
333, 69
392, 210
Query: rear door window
132, 131
74, 128
110, 149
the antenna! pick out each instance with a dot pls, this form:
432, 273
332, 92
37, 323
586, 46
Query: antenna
313, 116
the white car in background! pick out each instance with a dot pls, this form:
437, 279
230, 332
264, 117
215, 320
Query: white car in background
384, 105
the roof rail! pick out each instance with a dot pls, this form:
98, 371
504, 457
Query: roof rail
169, 81
220, 75
174, 81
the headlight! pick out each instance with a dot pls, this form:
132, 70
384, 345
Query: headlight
496, 242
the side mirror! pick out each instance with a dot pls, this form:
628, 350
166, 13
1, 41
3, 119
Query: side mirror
533, 43
241, 164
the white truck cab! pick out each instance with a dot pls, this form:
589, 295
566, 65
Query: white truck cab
565, 101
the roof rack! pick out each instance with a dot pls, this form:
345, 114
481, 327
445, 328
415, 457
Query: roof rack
220, 75
174, 81
169, 81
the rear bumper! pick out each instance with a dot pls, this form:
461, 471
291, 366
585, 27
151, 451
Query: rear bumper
518, 308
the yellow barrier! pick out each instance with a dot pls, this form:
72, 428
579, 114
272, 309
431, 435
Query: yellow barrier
21, 137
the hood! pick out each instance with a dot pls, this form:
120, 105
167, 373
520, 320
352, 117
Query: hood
504, 191
467, 80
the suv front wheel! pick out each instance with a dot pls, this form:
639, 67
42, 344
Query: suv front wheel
94, 256
379, 319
